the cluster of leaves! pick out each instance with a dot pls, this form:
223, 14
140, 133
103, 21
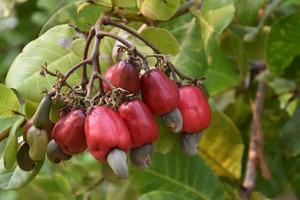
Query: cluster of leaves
225, 41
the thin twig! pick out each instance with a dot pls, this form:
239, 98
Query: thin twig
185, 8
255, 154
84, 79
124, 42
110, 85
4, 135
95, 56
73, 69
107, 21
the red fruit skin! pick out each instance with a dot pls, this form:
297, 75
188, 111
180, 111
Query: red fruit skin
194, 108
105, 130
123, 75
68, 132
159, 92
107, 75
140, 122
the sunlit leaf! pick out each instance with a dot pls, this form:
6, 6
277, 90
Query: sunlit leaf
221, 147
159, 9
8, 100
167, 43
51, 48
214, 17
81, 14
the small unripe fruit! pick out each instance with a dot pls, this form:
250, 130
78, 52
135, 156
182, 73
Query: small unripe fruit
55, 154
23, 159
141, 156
37, 140
41, 116
48, 129
173, 120
189, 143
117, 160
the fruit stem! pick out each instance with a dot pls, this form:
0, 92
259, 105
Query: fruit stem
73, 69
4, 134
127, 44
84, 79
105, 81
107, 21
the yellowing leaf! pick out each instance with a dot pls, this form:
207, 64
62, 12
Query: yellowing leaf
221, 147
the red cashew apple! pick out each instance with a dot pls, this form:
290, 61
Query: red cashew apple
123, 75
143, 131
140, 122
68, 132
106, 130
194, 108
159, 92
108, 138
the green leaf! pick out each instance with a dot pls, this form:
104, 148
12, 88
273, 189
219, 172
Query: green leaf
11, 147
162, 195
215, 16
51, 48
222, 75
272, 121
292, 170
8, 100
283, 43
233, 192
167, 139
248, 10
176, 172
290, 136
217, 144
239, 112
167, 43
280, 85
125, 3
191, 58
159, 9
63, 184
16, 178
82, 14
7, 122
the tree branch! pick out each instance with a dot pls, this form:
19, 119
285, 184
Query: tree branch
124, 42
84, 79
107, 21
255, 154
